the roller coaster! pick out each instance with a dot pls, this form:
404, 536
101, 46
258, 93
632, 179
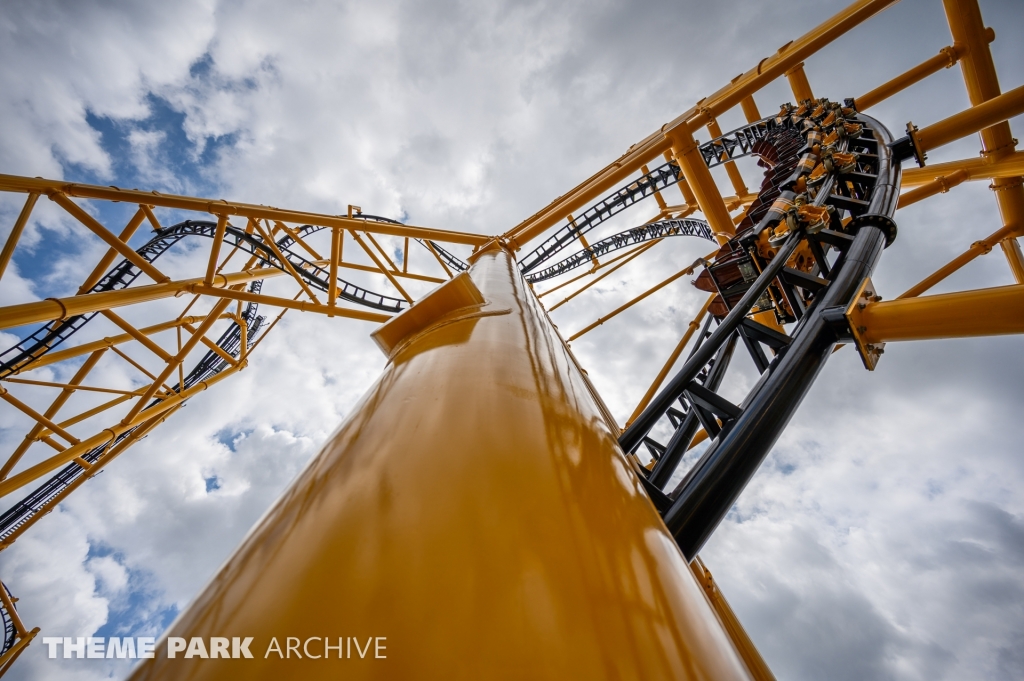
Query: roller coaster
490, 454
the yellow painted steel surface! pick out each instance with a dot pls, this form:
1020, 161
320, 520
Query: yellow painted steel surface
477, 512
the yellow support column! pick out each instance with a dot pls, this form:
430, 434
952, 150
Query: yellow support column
798, 83
701, 183
968, 29
499, 533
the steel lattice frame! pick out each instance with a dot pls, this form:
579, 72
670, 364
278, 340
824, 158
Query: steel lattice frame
789, 280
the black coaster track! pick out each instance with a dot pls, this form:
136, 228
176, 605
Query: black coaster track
736, 144
810, 275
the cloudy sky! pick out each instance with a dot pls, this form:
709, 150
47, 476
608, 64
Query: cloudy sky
884, 536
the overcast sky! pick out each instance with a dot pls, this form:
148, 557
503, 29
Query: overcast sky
884, 536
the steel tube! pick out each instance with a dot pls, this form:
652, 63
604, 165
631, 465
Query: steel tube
643, 424
964, 314
499, 533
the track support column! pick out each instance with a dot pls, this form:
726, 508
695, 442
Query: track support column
476, 513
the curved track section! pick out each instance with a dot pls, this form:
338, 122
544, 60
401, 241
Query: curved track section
736, 144
636, 235
122, 275
210, 364
804, 257
47, 338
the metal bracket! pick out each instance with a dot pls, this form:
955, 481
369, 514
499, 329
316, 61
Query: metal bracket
869, 352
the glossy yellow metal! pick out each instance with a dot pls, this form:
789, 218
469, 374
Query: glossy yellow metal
940, 185
698, 177
799, 84
978, 248
985, 312
12, 238
766, 71
975, 119
750, 111
476, 511
984, 168
738, 185
946, 58
748, 651
15, 183
979, 71
62, 308
40, 469
691, 328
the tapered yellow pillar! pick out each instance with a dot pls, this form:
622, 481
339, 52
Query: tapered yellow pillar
474, 516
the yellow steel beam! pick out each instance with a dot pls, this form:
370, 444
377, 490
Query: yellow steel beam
142, 338
946, 58
15, 183
639, 251
36, 416
108, 258
380, 266
298, 239
985, 168
91, 472
625, 306
108, 435
19, 226
215, 313
84, 349
12, 612
141, 369
69, 386
218, 238
98, 409
744, 646
337, 235
799, 84
219, 351
985, 312
387, 258
691, 328
606, 263
750, 111
440, 260
977, 118
978, 248
698, 177
272, 245
967, 27
51, 412
940, 185
93, 225
16, 650
738, 185
766, 71
291, 304
554, 543
62, 308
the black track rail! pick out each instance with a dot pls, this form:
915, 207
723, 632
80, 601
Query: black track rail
121, 276
629, 237
742, 435
209, 365
124, 274
736, 144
